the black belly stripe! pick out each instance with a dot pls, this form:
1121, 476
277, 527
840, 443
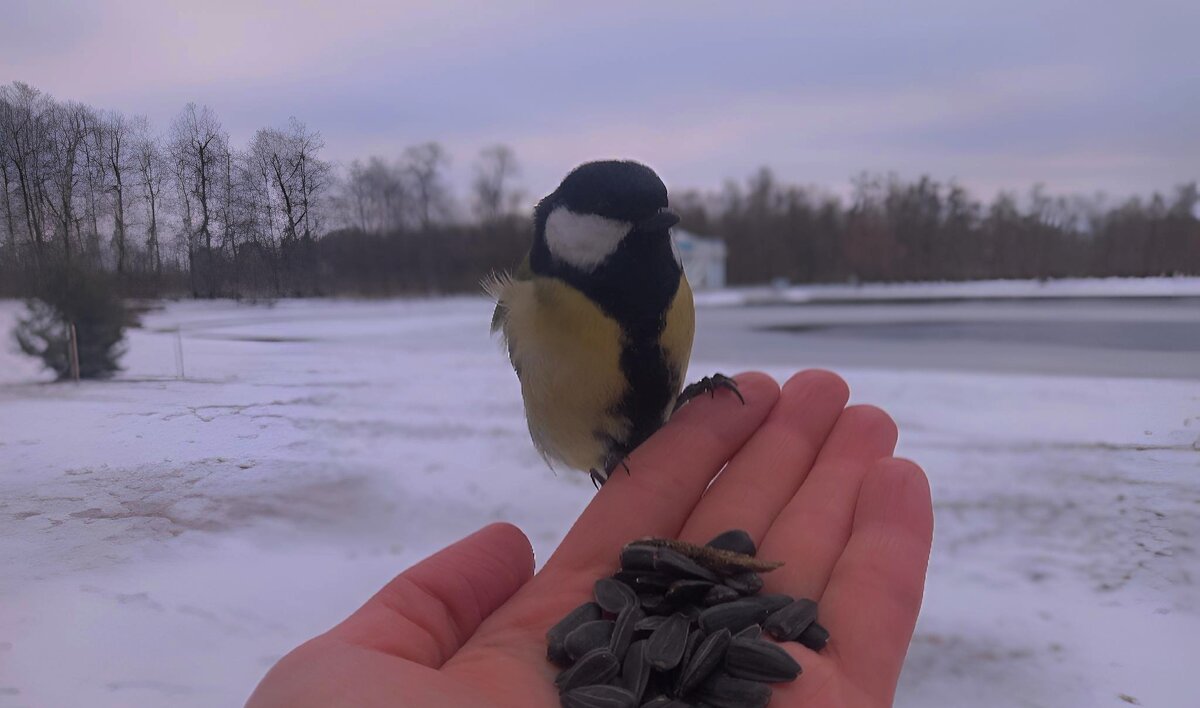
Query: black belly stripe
635, 286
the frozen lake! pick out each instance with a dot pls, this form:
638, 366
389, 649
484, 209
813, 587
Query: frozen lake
164, 540
1149, 337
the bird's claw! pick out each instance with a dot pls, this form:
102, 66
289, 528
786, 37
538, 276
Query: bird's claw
709, 385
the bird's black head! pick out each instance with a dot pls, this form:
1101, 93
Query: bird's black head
606, 231
583, 222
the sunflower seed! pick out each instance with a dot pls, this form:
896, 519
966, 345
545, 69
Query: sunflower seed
635, 672
734, 616
689, 650
787, 624
735, 540
725, 691
588, 636
760, 660
665, 646
772, 603
704, 661
638, 556
650, 623
613, 595
654, 581
654, 603
556, 635
597, 666
814, 637
627, 577
680, 566
622, 633
688, 590
659, 702
745, 583
718, 594
599, 697
754, 631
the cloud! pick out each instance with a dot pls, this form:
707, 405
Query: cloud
1100, 97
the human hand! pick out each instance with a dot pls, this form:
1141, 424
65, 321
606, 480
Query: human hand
811, 480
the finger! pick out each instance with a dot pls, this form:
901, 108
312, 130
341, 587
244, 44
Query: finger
768, 470
811, 531
668, 474
875, 592
428, 611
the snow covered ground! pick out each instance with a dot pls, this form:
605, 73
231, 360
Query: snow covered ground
164, 539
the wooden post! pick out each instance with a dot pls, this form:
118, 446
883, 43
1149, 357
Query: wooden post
74, 354
179, 353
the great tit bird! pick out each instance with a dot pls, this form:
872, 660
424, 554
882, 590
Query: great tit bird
599, 318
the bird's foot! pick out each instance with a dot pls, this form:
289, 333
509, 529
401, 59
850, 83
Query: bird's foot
709, 385
599, 478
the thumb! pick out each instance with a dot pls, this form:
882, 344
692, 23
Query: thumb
427, 612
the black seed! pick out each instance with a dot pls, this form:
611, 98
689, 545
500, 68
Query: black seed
665, 646
649, 624
588, 636
725, 691
688, 590
754, 631
655, 604
654, 581
613, 595
556, 635
704, 661
638, 557
760, 660
622, 633
787, 624
627, 577
718, 594
734, 616
774, 602
735, 540
597, 666
745, 583
694, 638
814, 637
692, 612
598, 697
680, 566
635, 672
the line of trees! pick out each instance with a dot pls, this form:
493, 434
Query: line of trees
186, 212
897, 230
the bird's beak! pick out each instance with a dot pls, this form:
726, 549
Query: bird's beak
660, 221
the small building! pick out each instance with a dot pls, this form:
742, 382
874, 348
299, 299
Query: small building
703, 259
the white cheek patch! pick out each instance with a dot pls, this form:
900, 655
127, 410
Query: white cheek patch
583, 240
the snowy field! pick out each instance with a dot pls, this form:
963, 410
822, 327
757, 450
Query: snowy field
165, 538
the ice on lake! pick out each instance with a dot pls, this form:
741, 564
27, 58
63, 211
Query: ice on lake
164, 539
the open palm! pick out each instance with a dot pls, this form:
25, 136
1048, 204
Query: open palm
815, 484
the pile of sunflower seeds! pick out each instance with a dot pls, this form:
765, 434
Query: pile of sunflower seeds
679, 626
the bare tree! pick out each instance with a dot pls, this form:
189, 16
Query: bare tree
151, 175
495, 196
199, 147
69, 124
423, 165
117, 132
24, 112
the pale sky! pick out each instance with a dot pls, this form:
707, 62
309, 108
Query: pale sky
1083, 96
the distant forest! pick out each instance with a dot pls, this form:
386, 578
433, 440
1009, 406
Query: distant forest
182, 211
